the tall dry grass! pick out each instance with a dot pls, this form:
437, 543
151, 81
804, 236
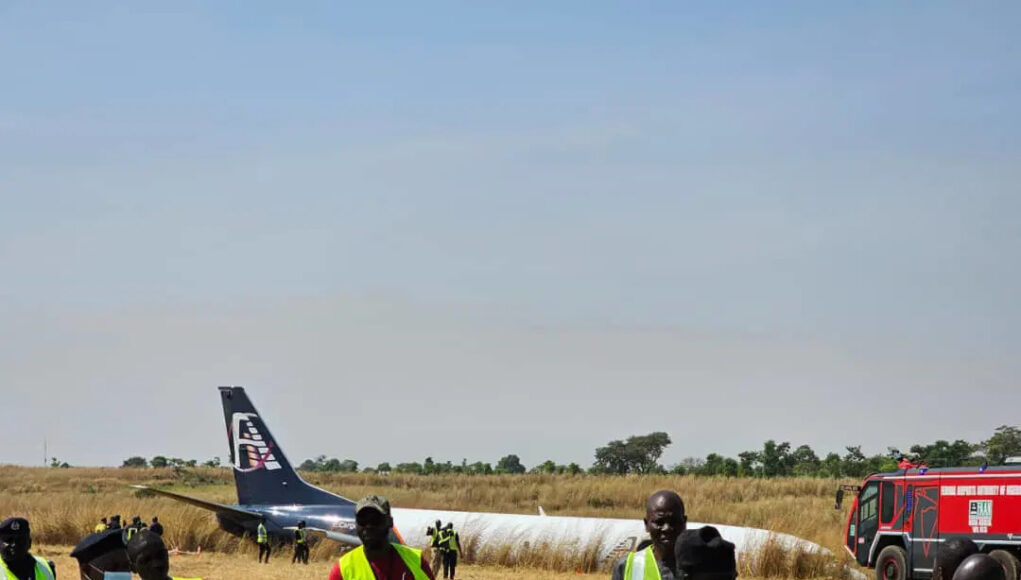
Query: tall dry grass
64, 504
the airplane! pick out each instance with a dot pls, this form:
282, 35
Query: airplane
269, 487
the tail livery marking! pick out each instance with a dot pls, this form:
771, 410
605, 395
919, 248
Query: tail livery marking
258, 451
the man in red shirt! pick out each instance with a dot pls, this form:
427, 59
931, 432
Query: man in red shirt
378, 558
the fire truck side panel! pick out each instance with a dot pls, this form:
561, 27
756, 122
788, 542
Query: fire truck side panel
985, 509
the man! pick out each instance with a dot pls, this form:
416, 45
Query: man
300, 544
115, 523
156, 527
949, 556
434, 545
15, 560
980, 567
664, 521
378, 558
451, 546
136, 526
148, 557
262, 538
101, 526
703, 554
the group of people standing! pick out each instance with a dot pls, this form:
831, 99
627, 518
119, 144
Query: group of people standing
136, 525
445, 544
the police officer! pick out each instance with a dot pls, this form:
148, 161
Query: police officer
15, 559
664, 521
262, 539
451, 544
101, 526
148, 557
156, 527
379, 557
136, 526
300, 544
434, 545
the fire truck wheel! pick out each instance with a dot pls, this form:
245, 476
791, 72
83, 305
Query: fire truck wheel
1008, 561
892, 564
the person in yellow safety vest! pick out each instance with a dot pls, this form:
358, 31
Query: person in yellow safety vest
15, 560
664, 521
379, 558
451, 544
434, 545
702, 554
101, 526
262, 539
148, 557
300, 544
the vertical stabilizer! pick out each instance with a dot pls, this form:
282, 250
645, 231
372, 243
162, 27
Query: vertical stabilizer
262, 473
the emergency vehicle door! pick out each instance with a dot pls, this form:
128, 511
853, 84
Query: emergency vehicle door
924, 506
868, 521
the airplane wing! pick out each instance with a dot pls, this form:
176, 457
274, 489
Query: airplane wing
234, 512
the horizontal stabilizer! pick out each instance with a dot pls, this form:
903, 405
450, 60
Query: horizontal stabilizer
234, 512
336, 536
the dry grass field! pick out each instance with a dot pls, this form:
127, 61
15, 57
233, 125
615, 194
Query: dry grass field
64, 504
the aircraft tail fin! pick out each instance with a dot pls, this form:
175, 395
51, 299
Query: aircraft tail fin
262, 473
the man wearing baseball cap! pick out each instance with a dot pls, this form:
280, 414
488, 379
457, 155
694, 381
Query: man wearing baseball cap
378, 558
15, 560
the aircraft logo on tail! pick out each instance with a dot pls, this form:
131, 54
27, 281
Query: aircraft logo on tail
247, 436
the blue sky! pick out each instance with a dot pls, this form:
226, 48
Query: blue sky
804, 208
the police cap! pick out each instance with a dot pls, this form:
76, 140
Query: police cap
14, 526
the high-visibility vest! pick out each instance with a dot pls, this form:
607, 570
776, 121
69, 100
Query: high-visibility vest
641, 566
355, 566
449, 541
130, 532
302, 534
99, 528
262, 534
42, 570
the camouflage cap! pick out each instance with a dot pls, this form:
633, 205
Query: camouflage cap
376, 502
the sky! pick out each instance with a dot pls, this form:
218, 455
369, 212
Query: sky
464, 230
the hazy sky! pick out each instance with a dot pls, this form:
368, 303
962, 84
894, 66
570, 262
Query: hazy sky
471, 229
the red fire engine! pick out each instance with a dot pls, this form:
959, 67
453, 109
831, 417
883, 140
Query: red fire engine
899, 519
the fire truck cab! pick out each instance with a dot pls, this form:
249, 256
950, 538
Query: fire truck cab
898, 520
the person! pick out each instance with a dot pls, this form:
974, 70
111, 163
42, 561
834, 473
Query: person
148, 557
949, 556
101, 526
300, 544
133, 528
664, 521
115, 523
434, 545
378, 558
702, 554
156, 527
980, 567
262, 538
451, 545
15, 559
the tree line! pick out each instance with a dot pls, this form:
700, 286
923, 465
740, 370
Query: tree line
640, 454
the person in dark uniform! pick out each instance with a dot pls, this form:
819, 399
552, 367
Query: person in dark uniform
450, 542
300, 544
664, 521
156, 527
15, 559
262, 539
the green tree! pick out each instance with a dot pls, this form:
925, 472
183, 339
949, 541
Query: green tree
776, 459
413, 467
134, 461
806, 462
853, 462
348, 466
832, 466
510, 464
214, 462
945, 454
1005, 442
639, 454
383, 467
749, 463
159, 462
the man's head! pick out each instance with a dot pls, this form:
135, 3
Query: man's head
15, 539
702, 554
301, 524
373, 521
148, 556
980, 567
450, 525
103, 519
437, 524
949, 556
664, 520
155, 519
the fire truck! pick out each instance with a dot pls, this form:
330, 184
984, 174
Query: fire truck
898, 520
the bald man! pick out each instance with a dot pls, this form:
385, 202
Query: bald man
980, 567
664, 521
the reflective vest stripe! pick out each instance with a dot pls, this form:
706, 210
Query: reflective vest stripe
641, 566
262, 534
42, 570
302, 534
355, 566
